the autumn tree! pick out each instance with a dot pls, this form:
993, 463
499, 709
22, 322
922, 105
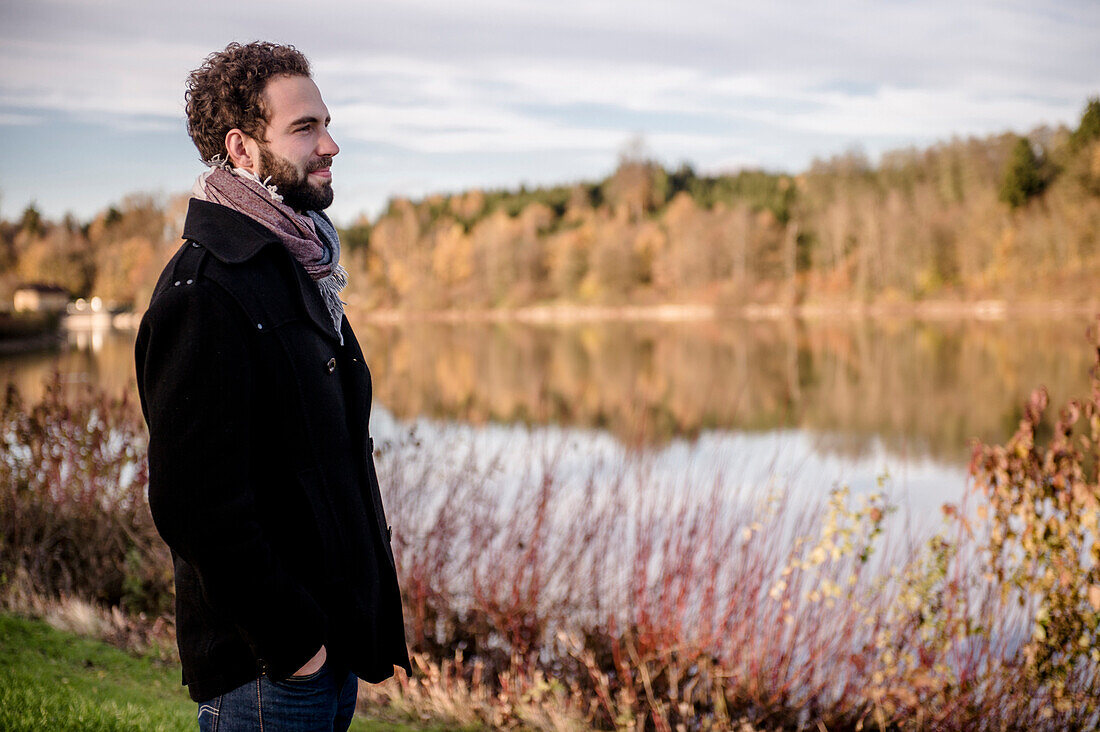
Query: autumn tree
128, 245
57, 258
637, 186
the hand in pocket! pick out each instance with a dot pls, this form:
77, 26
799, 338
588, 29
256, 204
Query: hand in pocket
314, 664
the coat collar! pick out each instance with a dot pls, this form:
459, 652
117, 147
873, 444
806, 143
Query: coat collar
230, 235
234, 238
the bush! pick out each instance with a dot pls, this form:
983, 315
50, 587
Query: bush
73, 514
1041, 543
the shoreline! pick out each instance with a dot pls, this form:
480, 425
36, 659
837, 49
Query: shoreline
943, 310
30, 344
991, 310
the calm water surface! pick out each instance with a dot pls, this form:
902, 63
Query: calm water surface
802, 405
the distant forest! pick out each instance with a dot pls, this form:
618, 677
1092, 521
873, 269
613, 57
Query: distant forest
1005, 216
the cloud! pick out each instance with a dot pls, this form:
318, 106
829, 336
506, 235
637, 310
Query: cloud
127, 56
125, 80
917, 114
16, 118
703, 80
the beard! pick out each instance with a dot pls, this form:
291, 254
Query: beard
297, 190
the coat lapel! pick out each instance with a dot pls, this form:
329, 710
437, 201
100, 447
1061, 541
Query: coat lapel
313, 302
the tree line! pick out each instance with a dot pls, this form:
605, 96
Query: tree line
1005, 216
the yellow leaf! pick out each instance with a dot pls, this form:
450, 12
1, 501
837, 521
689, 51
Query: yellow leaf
1094, 596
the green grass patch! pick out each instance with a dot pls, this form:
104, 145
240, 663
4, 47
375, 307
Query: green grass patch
52, 680
58, 681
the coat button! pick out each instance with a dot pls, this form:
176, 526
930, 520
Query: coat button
331, 365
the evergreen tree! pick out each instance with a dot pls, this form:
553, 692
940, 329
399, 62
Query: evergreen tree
1089, 128
1022, 177
31, 221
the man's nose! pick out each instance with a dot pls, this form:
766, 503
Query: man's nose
326, 145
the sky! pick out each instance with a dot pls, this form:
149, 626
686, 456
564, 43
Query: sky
444, 95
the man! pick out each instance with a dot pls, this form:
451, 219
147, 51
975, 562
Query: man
261, 472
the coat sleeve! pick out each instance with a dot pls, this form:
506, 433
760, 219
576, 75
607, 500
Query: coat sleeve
198, 395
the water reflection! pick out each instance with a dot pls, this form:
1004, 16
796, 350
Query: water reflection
918, 388
851, 389
101, 357
727, 466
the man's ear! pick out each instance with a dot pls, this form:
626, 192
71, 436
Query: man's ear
243, 150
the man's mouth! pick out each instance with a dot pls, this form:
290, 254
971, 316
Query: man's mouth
321, 168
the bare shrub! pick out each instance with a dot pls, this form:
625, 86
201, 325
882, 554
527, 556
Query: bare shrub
73, 514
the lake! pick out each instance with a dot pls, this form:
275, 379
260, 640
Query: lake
801, 404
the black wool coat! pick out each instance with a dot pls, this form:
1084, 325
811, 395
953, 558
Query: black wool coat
261, 471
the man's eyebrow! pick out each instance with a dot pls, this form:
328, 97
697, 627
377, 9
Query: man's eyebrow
308, 119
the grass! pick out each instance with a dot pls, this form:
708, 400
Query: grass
55, 680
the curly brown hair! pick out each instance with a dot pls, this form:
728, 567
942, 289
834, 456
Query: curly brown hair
227, 92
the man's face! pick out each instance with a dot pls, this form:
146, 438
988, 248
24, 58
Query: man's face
298, 150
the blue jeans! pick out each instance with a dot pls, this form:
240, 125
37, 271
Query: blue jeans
310, 703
